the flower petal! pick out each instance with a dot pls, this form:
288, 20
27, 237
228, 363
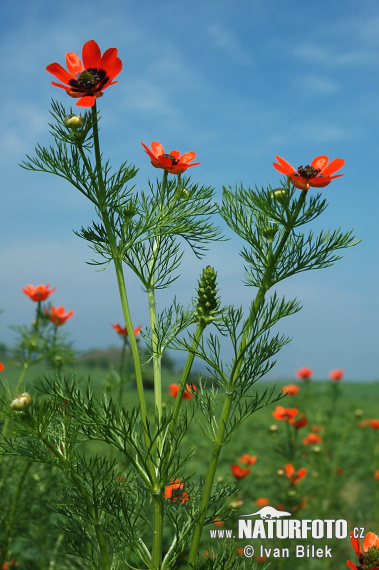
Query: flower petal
74, 65
335, 165
320, 162
157, 149
356, 544
111, 63
86, 101
351, 565
187, 157
284, 167
148, 151
91, 55
371, 539
59, 72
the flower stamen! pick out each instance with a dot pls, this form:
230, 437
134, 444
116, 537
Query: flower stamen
307, 172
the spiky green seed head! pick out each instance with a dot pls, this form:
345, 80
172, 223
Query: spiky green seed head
207, 300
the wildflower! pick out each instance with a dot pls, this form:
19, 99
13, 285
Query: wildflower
374, 424
39, 293
58, 316
336, 375
290, 389
317, 429
300, 422
368, 558
21, 402
172, 162
248, 459
1, 366
304, 373
286, 414
290, 473
376, 475
262, 502
312, 438
87, 81
317, 174
123, 331
175, 492
239, 472
174, 389
218, 522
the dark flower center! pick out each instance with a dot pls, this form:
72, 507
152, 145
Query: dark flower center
172, 158
307, 172
88, 79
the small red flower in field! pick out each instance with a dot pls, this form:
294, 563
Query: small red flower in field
123, 331
317, 174
1, 367
262, 502
374, 424
248, 459
304, 373
175, 492
174, 389
300, 422
336, 375
317, 429
290, 473
58, 316
311, 439
290, 389
239, 472
172, 162
218, 522
286, 414
376, 475
368, 558
87, 80
39, 293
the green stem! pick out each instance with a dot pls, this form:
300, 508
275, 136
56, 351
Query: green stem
119, 275
156, 559
226, 410
122, 370
12, 513
20, 382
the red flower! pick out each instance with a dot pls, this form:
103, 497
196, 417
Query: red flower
39, 293
175, 492
123, 331
239, 472
290, 472
262, 502
87, 81
374, 424
336, 375
300, 422
57, 315
174, 389
376, 475
248, 459
304, 373
286, 414
317, 174
1, 367
290, 389
369, 557
312, 438
172, 162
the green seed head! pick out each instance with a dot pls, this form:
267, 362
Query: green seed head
207, 300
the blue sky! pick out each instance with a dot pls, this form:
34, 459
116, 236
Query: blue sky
235, 81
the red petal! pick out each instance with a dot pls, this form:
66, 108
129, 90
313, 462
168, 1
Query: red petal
371, 539
74, 65
157, 149
175, 154
148, 151
335, 165
59, 72
284, 167
61, 86
91, 55
356, 544
351, 565
187, 157
320, 162
111, 63
87, 101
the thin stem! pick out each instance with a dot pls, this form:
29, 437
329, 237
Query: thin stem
226, 410
156, 559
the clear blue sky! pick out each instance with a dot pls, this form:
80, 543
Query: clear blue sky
235, 81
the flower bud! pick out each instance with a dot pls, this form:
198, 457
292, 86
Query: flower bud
21, 402
269, 232
278, 194
207, 301
73, 121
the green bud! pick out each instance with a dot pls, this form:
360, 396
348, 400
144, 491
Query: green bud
73, 121
269, 232
278, 194
207, 300
21, 402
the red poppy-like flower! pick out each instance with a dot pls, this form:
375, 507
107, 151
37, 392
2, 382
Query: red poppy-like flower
262, 502
123, 331
290, 389
376, 475
218, 522
87, 80
175, 492
286, 414
239, 472
1, 366
368, 558
336, 375
174, 389
304, 373
58, 316
39, 293
248, 459
374, 424
317, 174
172, 162
312, 438
300, 422
290, 473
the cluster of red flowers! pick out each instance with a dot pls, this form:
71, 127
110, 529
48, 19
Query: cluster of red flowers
290, 415
123, 331
57, 315
242, 472
289, 471
175, 492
